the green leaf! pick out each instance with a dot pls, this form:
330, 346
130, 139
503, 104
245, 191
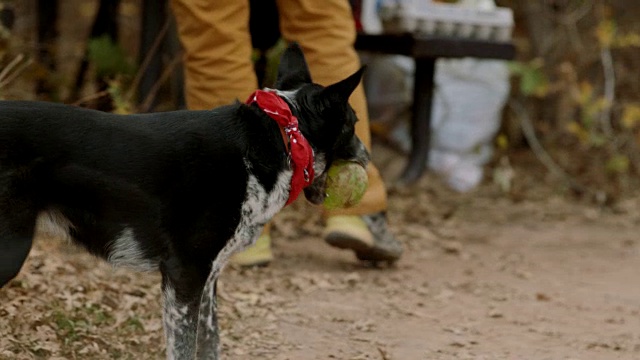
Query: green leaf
618, 164
108, 58
533, 81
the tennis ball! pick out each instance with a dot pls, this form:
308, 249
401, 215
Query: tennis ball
346, 183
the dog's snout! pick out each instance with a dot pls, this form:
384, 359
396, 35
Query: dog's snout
361, 155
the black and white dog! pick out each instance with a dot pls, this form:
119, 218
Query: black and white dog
176, 191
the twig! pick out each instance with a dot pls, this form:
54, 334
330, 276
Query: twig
147, 60
574, 35
10, 66
146, 104
95, 96
538, 149
570, 21
577, 14
10, 77
609, 90
383, 353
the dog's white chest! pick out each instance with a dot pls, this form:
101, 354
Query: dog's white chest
257, 209
259, 205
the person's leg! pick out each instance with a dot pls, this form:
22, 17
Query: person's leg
217, 61
326, 32
218, 70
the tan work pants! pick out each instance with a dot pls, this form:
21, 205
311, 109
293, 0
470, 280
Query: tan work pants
218, 67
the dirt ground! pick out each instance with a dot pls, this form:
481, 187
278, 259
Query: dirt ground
486, 275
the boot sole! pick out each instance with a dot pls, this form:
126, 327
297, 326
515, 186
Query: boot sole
364, 251
343, 241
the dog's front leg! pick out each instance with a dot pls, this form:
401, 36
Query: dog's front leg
182, 290
208, 337
180, 326
208, 341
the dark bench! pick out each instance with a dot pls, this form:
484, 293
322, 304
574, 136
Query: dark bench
425, 50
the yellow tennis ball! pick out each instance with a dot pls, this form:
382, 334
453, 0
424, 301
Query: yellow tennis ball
347, 182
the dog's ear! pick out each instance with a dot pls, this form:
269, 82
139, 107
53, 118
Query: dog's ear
293, 70
341, 91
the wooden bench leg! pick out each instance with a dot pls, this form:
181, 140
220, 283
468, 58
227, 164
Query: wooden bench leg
420, 120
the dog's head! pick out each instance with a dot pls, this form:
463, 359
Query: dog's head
325, 117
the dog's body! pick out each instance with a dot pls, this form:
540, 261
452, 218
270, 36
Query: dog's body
177, 192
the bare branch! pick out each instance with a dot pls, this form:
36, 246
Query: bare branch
147, 60
538, 149
609, 90
10, 66
146, 105
6, 78
91, 97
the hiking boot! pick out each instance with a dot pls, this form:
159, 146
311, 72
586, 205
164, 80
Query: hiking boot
367, 235
259, 254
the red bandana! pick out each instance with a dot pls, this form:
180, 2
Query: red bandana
300, 152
